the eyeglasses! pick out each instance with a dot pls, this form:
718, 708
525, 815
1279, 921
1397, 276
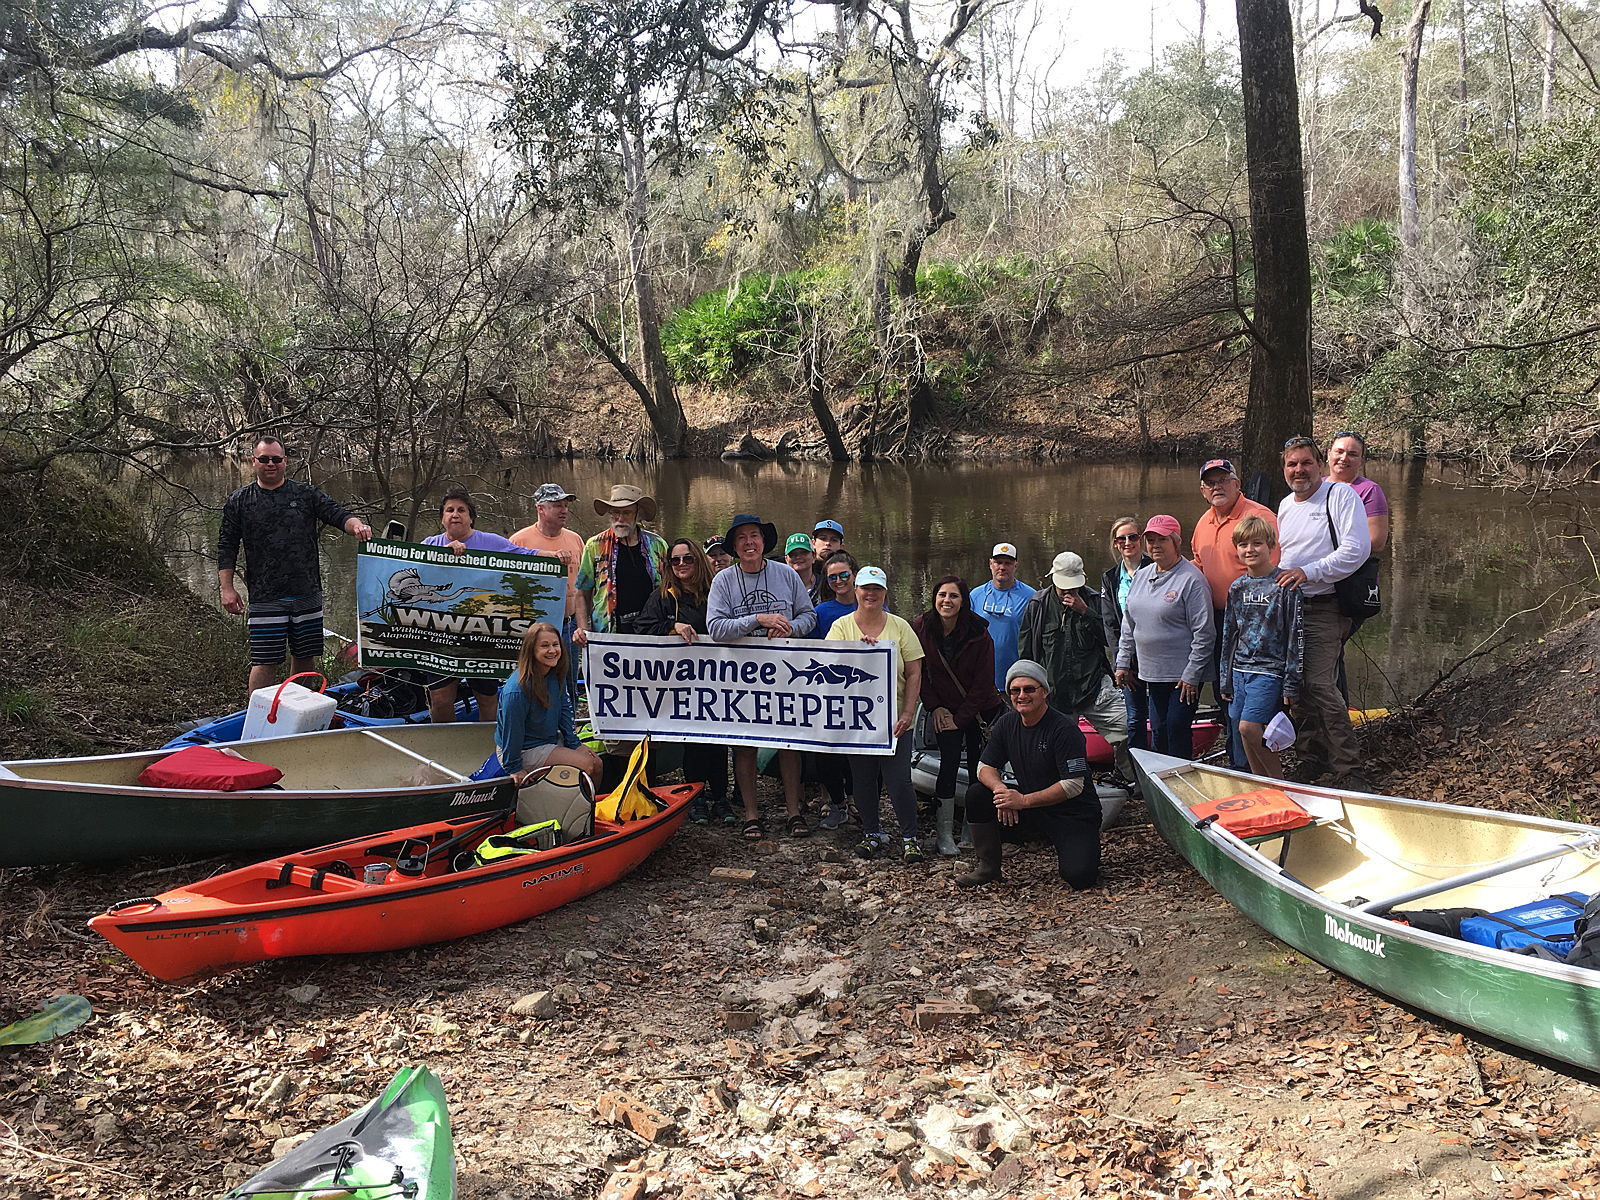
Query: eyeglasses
1353, 435
1126, 537
681, 558
1218, 484
840, 577
1025, 690
269, 458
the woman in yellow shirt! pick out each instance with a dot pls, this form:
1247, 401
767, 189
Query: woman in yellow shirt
874, 773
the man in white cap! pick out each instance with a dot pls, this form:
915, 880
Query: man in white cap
1054, 796
1062, 628
1000, 602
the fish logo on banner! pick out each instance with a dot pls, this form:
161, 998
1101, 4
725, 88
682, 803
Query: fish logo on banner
785, 693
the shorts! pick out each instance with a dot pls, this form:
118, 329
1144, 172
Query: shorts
480, 687
1256, 698
533, 757
293, 623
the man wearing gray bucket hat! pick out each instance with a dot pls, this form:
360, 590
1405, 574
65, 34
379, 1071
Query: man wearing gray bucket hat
621, 564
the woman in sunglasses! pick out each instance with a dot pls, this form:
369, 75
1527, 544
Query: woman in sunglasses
839, 586
1127, 550
678, 606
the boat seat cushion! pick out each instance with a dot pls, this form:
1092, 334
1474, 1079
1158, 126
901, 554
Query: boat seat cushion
560, 793
208, 769
1251, 814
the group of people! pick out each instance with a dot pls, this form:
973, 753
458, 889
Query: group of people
1003, 671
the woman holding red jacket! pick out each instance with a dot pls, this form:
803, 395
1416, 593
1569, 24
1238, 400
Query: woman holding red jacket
957, 689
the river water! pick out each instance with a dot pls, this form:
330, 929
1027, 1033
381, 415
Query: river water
1464, 560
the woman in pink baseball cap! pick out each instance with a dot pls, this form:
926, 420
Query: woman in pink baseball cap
1168, 629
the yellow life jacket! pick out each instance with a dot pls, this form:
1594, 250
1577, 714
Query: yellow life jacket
527, 840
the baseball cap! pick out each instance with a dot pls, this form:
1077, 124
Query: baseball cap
1003, 550
1216, 464
831, 526
797, 541
550, 493
1164, 525
714, 543
1067, 570
871, 575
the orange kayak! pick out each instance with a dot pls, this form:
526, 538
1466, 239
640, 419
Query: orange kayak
425, 886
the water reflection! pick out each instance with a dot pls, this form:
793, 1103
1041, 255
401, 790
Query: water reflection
1462, 559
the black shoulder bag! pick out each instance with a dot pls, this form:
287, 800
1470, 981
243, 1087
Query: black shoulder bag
1359, 596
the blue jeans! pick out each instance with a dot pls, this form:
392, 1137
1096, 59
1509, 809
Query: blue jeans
1137, 697
1171, 719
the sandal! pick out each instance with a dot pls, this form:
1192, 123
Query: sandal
798, 827
754, 830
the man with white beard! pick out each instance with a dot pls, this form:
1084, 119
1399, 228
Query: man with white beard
621, 565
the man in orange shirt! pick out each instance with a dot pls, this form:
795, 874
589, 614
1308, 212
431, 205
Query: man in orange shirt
1216, 556
549, 533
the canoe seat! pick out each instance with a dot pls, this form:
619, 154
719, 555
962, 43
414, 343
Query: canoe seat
562, 794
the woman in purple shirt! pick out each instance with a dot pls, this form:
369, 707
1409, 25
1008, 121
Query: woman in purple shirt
457, 515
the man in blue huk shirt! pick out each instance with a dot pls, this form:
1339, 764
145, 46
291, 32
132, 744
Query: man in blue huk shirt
1000, 602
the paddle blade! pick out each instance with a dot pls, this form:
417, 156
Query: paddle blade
61, 1015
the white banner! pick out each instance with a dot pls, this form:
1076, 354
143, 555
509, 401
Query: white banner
788, 693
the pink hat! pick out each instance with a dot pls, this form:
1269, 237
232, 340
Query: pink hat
1164, 525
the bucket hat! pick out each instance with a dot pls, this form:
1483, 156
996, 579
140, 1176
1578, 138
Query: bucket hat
769, 532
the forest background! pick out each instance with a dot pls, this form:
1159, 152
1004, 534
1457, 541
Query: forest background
409, 234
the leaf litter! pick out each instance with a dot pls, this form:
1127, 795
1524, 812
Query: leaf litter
830, 1027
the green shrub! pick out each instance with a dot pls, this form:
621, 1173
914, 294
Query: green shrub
722, 334
1358, 261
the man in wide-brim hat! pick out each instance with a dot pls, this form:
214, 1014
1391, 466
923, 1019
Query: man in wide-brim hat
621, 565
757, 597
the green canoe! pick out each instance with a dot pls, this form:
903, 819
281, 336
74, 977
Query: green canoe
337, 784
1325, 886
398, 1145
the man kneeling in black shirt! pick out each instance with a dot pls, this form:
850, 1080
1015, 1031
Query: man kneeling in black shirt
1054, 795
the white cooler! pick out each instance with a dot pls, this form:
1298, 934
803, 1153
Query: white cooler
288, 708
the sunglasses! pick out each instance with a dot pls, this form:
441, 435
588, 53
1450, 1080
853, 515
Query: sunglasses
681, 558
1126, 537
269, 458
1026, 690
839, 577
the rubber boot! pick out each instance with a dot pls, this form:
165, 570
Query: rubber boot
965, 842
986, 840
946, 820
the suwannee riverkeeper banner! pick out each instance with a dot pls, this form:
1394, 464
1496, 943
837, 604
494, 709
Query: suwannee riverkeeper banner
788, 693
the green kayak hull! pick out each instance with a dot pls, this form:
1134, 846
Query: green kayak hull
398, 1145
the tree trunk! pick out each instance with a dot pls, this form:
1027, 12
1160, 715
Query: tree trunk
1463, 121
1410, 209
1279, 404
666, 414
816, 387
1547, 94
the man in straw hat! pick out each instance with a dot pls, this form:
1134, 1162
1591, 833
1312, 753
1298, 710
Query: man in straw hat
621, 565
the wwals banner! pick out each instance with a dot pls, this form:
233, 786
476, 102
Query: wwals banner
422, 606
788, 693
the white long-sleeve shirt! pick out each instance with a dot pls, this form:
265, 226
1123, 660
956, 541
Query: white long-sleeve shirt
1305, 540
